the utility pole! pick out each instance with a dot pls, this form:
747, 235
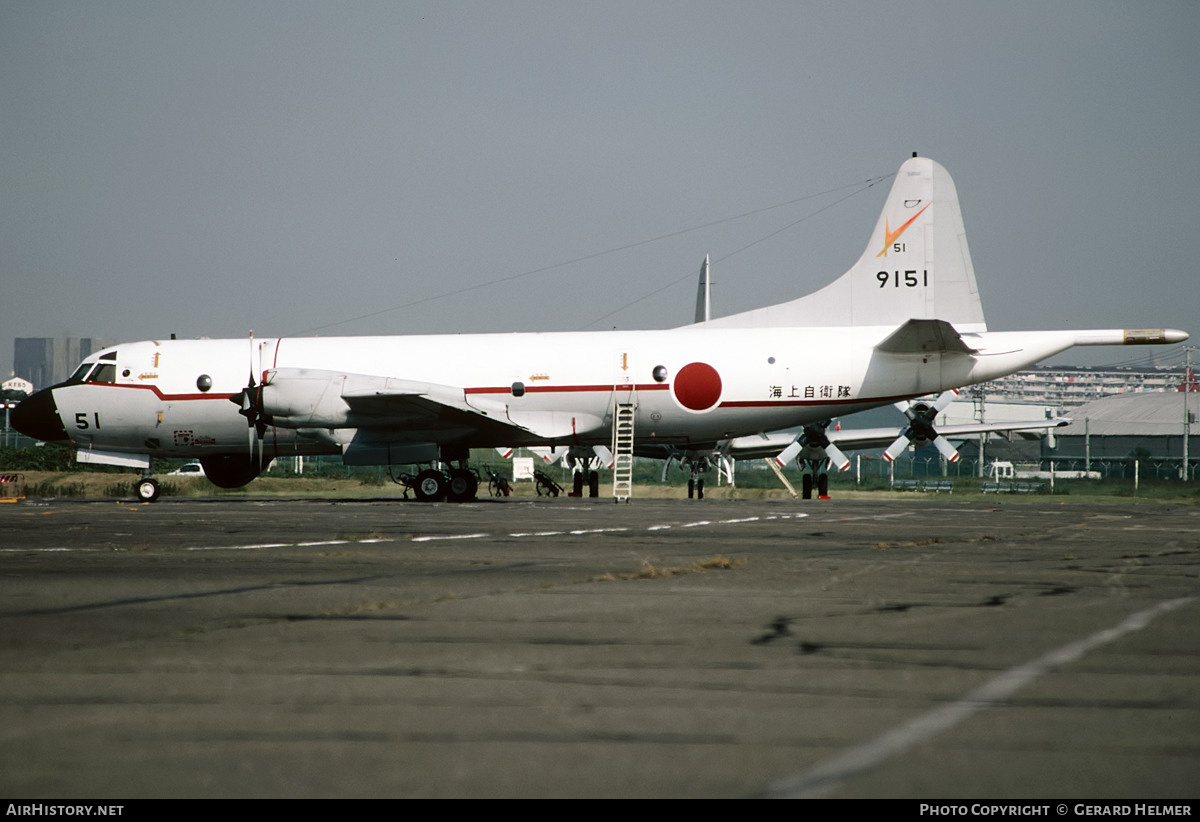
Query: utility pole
1187, 417
1087, 448
977, 394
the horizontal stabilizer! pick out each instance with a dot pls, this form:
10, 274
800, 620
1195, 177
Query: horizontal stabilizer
925, 337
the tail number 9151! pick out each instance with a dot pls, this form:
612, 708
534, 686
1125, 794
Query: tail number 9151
909, 279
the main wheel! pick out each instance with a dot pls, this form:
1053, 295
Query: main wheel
700, 488
431, 486
594, 484
806, 486
146, 489
823, 486
577, 484
463, 486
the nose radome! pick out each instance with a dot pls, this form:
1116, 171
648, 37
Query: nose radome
37, 417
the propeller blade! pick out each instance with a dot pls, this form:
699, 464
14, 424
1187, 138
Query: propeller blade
788, 454
946, 449
943, 400
839, 460
605, 456
896, 448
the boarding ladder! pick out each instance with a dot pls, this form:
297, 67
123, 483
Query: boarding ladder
622, 449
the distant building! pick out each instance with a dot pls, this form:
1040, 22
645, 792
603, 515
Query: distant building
1066, 387
1117, 430
45, 361
17, 384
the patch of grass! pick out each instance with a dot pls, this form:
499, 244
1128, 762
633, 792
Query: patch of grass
651, 571
362, 537
912, 543
375, 607
55, 488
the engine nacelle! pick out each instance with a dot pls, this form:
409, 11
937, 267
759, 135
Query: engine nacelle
304, 398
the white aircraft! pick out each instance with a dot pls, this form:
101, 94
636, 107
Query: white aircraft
814, 447
905, 321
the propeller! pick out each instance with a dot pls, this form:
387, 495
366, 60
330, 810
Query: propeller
604, 455
569, 454
813, 436
249, 400
667, 464
920, 430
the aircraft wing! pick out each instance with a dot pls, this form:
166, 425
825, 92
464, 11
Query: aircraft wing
876, 437
768, 445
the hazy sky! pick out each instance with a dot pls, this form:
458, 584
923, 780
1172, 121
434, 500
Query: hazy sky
206, 168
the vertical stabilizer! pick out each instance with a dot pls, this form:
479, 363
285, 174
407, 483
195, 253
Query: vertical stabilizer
916, 266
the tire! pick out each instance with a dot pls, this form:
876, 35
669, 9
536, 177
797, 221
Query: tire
577, 484
806, 487
823, 486
700, 489
594, 484
430, 486
147, 490
691, 489
463, 486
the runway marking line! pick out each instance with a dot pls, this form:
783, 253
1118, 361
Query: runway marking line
446, 537
865, 756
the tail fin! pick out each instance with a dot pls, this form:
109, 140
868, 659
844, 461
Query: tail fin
916, 266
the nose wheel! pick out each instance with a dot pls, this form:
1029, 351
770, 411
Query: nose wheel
146, 489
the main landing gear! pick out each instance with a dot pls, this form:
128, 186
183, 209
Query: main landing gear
814, 477
582, 476
696, 465
459, 484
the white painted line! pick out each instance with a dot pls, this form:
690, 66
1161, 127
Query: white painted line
238, 547
449, 536
515, 535
35, 550
863, 757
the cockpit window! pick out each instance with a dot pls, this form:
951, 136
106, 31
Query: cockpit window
81, 372
105, 372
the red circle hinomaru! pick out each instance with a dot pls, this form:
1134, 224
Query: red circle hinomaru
697, 386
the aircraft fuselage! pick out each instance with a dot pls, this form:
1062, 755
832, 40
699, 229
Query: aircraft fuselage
172, 397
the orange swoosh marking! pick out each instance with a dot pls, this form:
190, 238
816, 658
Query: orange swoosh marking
890, 236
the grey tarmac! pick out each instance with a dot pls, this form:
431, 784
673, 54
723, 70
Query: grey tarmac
915, 648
